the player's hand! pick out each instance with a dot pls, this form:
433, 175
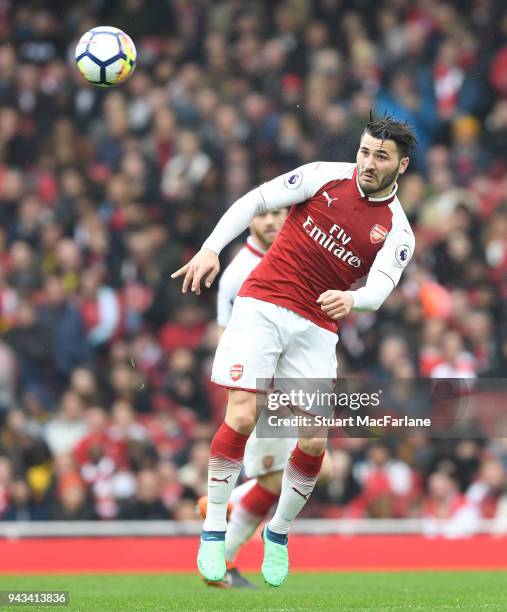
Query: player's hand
336, 304
204, 266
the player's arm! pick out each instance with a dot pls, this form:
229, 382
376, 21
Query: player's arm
292, 188
338, 304
383, 277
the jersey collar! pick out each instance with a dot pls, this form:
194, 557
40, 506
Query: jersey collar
374, 201
252, 246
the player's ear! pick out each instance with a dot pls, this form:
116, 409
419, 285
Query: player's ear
404, 161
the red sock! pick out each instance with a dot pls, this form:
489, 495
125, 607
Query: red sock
258, 500
298, 481
227, 442
308, 464
225, 461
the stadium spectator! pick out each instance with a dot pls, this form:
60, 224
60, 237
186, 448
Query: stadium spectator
21, 506
29, 339
72, 501
186, 169
193, 474
489, 488
100, 309
173, 491
456, 362
147, 503
67, 345
68, 426
446, 512
387, 484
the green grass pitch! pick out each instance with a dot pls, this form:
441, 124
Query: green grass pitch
375, 592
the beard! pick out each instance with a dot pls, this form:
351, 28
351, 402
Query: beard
265, 239
385, 182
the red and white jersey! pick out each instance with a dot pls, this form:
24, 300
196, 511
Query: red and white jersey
332, 239
234, 276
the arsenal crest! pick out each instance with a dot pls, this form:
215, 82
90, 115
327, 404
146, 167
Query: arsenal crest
236, 371
267, 461
377, 233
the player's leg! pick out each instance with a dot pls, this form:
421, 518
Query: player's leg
226, 458
308, 365
251, 501
298, 482
249, 512
265, 460
249, 505
248, 351
242, 489
272, 482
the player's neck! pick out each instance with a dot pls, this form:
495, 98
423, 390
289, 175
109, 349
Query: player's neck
257, 244
383, 193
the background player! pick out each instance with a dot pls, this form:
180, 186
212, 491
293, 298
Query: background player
349, 226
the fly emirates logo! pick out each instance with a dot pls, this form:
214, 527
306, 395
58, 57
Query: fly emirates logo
335, 242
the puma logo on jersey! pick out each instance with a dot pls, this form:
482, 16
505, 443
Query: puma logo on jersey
328, 198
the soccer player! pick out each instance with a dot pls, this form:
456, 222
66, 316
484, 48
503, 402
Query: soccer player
347, 225
265, 458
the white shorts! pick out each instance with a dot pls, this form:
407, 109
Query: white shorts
266, 455
263, 340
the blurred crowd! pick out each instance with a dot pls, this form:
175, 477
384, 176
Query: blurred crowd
106, 409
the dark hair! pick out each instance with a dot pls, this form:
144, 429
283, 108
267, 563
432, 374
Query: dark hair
387, 128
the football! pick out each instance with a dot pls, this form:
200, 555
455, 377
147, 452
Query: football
105, 56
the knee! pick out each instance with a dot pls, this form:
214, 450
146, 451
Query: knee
241, 411
313, 446
241, 421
